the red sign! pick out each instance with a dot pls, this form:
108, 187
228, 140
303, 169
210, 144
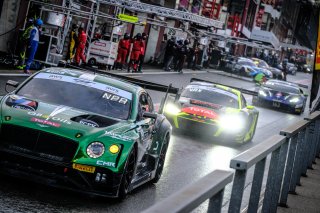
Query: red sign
46, 122
201, 112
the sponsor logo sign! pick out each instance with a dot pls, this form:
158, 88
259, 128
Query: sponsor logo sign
104, 163
84, 168
41, 121
201, 112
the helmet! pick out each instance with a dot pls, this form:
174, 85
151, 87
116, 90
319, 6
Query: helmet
144, 36
173, 38
39, 22
126, 36
180, 42
138, 35
30, 20
80, 29
186, 42
75, 26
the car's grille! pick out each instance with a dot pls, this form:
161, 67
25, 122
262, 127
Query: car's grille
197, 127
37, 143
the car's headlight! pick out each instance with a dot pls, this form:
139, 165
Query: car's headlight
294, 100
232, 123
263, 93
172, 109
95, 150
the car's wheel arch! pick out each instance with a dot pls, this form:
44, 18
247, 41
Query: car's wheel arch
124, 190
164, 129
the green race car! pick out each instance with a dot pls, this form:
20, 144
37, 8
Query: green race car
207, 108
88, 133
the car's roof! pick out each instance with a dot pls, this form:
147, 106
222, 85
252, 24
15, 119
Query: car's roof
244, 59
218, 86
283, 83
94, 77
256, 59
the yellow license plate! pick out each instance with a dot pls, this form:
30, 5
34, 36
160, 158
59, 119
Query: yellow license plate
84, 168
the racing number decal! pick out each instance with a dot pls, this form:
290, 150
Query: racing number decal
276, 104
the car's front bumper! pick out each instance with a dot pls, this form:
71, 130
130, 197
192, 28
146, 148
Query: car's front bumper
199, 128
59, 175
282, 105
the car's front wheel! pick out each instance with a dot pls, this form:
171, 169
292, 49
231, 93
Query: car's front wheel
161, 160
92, 62
128, 174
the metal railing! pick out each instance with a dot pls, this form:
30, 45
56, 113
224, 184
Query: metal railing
292, 153
209, 187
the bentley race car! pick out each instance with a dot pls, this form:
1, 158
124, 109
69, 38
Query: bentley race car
207, 108
281, 95
88, 133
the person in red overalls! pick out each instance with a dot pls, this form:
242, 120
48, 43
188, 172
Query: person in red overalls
123, 50
82, 40
137, 45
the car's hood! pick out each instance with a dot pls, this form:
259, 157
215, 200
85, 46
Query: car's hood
205, 113
61, 120
280, 95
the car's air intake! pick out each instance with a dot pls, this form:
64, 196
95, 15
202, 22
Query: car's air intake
37, 143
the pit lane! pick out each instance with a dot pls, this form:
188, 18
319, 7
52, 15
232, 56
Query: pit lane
187, 159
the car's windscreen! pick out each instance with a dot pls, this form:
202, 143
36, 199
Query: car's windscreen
79, 93
263, 64
282, 87
211, 95
247, 63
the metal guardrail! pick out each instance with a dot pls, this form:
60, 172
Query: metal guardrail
292, 153
209, 187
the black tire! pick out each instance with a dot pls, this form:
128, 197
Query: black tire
92, 62
162, 158
242, 72
128, 174
302, 111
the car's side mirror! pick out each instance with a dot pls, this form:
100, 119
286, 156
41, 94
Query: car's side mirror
11, 83
150, 115
250, 107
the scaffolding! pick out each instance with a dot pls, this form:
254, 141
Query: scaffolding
70, 9
165, 12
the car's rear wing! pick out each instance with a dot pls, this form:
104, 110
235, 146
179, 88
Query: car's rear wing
244, 91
